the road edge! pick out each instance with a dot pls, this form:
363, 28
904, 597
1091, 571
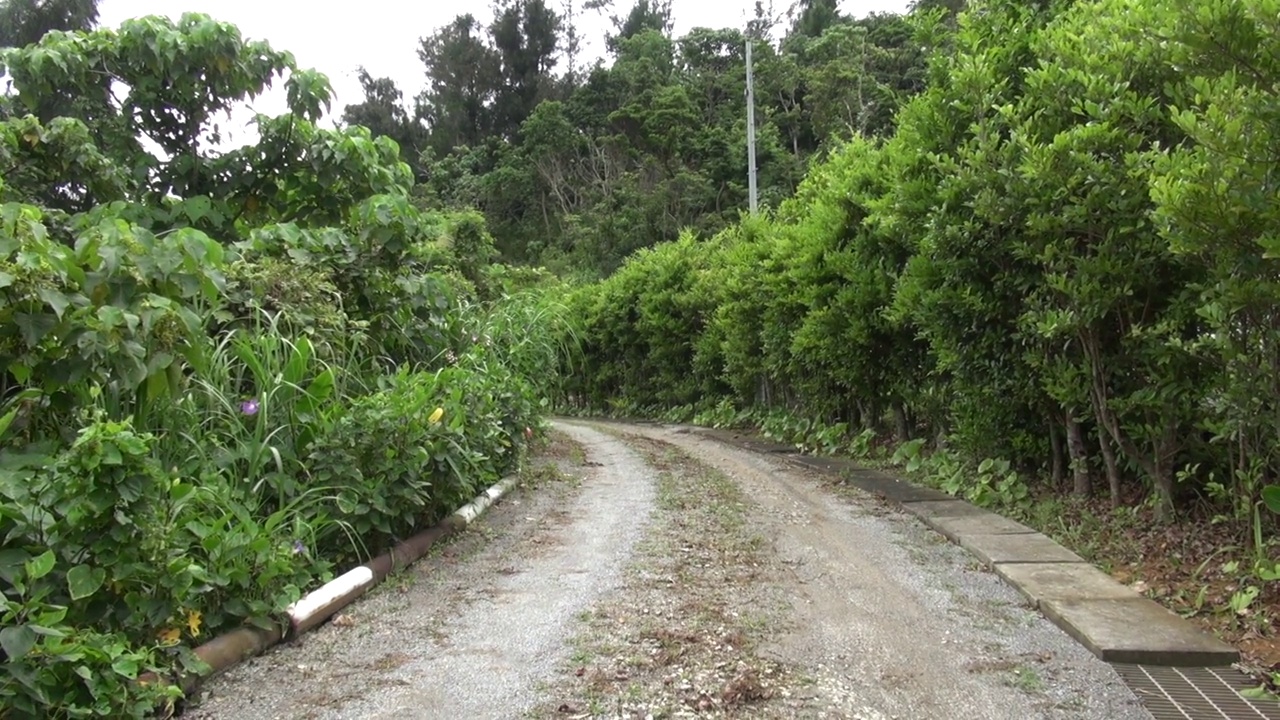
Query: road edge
1111, 620
316, 607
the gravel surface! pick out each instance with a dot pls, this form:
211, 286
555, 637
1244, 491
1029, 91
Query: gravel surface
681, 637
682, 577
469, 638
892, 621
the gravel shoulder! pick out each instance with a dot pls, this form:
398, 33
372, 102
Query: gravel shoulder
649, 572
470, 630
869, 614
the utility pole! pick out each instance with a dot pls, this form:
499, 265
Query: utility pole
751, 131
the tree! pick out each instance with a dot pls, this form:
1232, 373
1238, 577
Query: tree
644, 15
570, 43
763, 20
1215, 205
296, 173
462, 78
383, 113
24, 22
952, 8
654, 140
526, 34
814, 17
859, 74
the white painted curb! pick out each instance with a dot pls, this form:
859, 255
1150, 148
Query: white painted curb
468, 513
322, 603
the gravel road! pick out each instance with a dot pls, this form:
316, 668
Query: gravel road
660, 573
898, 623
469, 638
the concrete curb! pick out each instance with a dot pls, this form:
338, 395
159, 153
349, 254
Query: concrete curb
1113, 621
317, 606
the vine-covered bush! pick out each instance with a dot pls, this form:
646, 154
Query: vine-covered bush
221, 373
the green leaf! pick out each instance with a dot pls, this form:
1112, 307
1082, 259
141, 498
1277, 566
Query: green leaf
34, 327
6, 420
17, 641
20, 372
198, 207
55, 300
84, 581
128, 667
40, 566
1271, 498
1256, 693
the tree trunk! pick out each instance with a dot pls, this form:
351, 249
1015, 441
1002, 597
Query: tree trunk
1113, 467
1059, 453
1108, 420
1081, 482
901, 425
1165, 452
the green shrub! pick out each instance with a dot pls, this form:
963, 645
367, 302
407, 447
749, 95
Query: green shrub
219, 370
125, 550
303, 299
383, 458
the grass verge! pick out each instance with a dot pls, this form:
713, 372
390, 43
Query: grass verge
684, 634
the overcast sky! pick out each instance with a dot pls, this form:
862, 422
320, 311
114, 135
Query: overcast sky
382, 35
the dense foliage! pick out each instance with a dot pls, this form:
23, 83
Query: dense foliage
222, 374
1060, 264
577, 166
1030, 246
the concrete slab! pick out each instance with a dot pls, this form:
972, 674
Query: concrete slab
957, 527
818, 463
903, 493
997, 549
1138, 631
762, 445
946, 507
1114, 622
858, 474
1040, 582
747, 440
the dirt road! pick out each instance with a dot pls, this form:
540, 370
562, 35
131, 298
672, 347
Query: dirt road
652, 572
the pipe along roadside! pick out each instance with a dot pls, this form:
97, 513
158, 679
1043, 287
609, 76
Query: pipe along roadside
314, 608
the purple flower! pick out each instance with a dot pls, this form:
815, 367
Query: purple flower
249, 407
298, 547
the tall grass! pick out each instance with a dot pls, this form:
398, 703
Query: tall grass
533, 333
256, 397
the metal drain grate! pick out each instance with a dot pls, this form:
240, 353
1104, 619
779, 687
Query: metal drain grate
1173, 693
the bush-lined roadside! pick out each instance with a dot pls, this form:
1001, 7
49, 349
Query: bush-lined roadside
222, 375
1046, 283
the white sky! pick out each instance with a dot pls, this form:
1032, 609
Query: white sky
383, 35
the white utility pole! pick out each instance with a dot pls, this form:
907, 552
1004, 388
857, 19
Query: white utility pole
751, 132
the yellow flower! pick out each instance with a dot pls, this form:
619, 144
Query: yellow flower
193, 622
170, 636
435, 416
